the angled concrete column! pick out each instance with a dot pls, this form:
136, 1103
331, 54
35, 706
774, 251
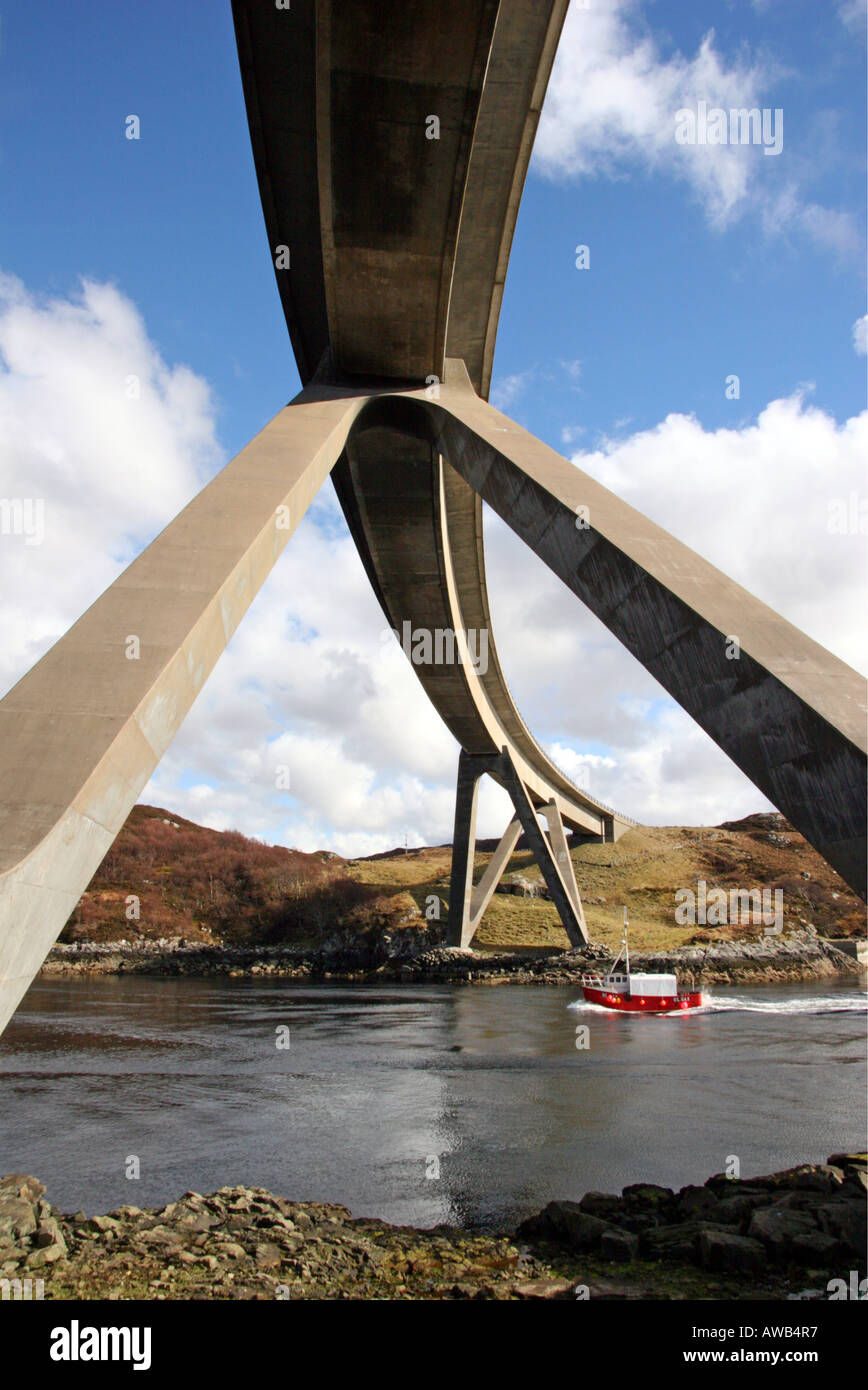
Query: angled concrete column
470, 768
790, 714
560, 849
555, 880
485, 888
82, 732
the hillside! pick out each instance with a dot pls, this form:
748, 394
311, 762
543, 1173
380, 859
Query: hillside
166, 877
219, 887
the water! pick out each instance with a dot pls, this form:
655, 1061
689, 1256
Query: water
378, 1082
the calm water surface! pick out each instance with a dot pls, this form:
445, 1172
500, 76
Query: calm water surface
186, 1075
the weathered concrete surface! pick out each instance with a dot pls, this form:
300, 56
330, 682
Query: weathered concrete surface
390, 219
388, 203
399, 243
82, 732
277, 57
522, 52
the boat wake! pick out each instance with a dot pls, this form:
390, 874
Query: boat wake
713, 1003
822, 1004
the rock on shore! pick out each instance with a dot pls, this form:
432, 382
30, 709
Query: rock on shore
800, 956
783, 1234
813, 1217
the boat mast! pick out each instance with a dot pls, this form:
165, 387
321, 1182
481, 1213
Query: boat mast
626, 947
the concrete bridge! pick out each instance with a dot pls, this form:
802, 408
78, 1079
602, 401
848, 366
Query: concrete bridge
391, 140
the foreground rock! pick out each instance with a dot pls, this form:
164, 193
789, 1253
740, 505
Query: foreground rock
31, 1235
800, 956
812, 1217
785, 1234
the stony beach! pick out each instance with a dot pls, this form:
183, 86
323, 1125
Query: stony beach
800, 955
789, 1234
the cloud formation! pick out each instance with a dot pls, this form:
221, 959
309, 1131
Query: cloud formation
96, 427
854, 14
611, 110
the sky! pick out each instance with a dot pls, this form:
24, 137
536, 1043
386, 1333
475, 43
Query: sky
707, 363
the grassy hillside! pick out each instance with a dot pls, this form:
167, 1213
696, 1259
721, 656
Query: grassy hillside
219, 886
643, 871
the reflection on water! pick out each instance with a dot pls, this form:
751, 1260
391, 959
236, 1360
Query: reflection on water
187, 1075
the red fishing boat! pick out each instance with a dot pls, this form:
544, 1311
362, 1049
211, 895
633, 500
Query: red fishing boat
642, 994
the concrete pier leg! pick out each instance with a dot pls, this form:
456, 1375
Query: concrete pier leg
555, 881
560, 849
82, 732
484, 890
787, 712
470, 768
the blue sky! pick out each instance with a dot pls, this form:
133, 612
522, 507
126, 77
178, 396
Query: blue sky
703, 263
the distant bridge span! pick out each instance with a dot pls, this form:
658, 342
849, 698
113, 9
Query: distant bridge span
390, 251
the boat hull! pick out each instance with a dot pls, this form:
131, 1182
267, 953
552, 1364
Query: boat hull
649, 1004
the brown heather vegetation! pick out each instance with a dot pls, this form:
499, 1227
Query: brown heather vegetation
219, 886
213, 886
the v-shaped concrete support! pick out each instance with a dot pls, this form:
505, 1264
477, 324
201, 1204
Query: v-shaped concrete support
467, 902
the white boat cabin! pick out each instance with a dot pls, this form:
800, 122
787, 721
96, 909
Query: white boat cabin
653, 986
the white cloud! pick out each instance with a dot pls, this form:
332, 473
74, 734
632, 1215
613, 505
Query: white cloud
611, 105
304, 675
109, 469
853, 13
308, 683
570, 434
748, 498
612, 101
507, 390
784, 213
860, 335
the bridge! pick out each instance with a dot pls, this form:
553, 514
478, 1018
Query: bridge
391, 140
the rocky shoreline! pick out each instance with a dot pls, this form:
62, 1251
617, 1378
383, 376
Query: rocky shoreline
801, 956
793, 1234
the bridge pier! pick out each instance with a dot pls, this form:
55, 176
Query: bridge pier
82, 732
467, 902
